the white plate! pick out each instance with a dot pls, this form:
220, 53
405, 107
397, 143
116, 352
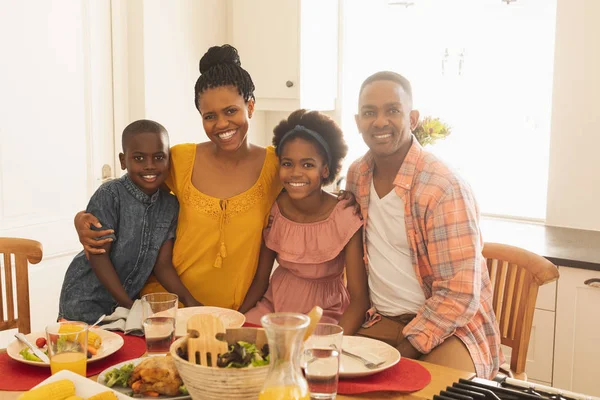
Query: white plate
230, 318
126, 391
111, 342
370, 349
84, 387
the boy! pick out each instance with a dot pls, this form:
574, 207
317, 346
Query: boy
143, 219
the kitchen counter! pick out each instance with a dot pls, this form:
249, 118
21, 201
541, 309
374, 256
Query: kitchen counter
562, 246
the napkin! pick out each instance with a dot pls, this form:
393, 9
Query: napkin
128, 321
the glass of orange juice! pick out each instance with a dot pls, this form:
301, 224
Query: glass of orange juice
67, 346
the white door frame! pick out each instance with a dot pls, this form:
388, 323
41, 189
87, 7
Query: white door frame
100, 107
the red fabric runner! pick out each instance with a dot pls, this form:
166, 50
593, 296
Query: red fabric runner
15, 375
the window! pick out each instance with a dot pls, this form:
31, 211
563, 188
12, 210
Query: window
483, 66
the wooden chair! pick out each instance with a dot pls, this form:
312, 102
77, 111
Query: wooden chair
516, 275
23, 250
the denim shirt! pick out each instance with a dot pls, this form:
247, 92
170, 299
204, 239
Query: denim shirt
141, 224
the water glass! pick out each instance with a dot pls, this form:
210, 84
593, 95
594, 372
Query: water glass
322, 361
67, 346
159, 313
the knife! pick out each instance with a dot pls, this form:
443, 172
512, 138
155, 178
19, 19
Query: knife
40, 354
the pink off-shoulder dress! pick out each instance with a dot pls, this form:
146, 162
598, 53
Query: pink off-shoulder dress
311, 265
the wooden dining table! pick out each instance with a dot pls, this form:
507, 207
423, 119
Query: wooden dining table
440, 378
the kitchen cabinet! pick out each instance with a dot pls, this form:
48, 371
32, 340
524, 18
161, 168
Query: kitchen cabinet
541, 343
577, 349
541, 347
290, 48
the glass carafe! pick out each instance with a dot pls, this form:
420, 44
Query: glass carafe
285, 333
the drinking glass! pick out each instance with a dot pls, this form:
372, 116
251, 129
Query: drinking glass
322, 361
67, 346
159, 313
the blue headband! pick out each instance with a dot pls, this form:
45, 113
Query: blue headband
311, 133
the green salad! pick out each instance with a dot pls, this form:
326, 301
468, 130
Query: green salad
29, 356
244, 354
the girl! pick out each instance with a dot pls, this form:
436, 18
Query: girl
312, 235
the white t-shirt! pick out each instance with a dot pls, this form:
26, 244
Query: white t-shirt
393, 284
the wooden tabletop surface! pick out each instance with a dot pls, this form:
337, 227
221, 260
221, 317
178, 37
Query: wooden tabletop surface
440, 378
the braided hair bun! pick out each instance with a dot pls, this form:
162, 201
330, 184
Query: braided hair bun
216, 55
221, 66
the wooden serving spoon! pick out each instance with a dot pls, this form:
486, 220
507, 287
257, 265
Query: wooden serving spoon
203, 346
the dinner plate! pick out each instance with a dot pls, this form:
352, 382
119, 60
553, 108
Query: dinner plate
370, 349
127, 391
230, 318
84, 387
111, 342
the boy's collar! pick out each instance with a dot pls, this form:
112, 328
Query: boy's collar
137, 192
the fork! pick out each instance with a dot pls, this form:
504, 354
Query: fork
367, 363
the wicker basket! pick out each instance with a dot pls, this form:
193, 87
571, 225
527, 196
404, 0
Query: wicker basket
206, 383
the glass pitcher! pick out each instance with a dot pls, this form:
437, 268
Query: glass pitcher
285, 333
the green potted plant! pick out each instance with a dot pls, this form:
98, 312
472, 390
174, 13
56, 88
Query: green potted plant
430, 130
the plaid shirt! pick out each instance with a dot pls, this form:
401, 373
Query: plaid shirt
442, 226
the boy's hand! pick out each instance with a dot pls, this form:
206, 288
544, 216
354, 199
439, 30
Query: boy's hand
88, 237
349, 197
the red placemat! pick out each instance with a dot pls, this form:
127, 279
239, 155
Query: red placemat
15, 375
250, 325
406, 376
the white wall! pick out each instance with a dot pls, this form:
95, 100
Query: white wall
574, 174
166, 40
55, 132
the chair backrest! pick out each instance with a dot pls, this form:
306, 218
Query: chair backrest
516, 275
21, 251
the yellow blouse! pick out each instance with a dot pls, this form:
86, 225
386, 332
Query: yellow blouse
218, 240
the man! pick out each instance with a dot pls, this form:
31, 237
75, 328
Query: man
429, 285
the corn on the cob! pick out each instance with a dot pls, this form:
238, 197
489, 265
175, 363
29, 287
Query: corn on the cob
93, 339
58, 390
108, 395
74, 398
